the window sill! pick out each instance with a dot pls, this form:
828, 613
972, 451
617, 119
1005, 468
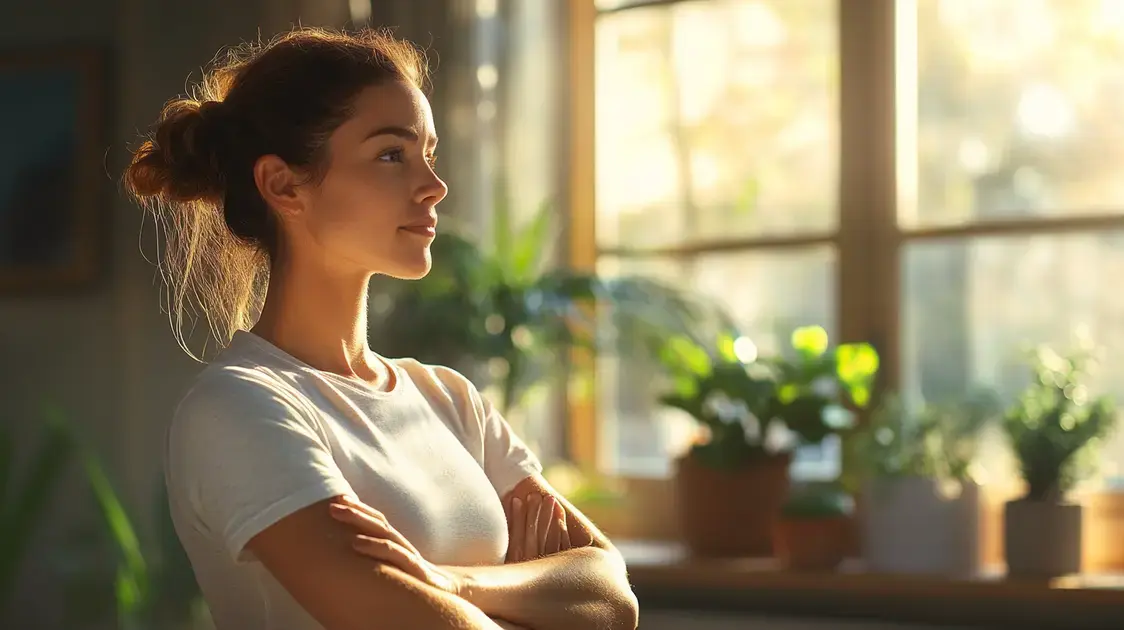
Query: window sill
647, 512
665, 578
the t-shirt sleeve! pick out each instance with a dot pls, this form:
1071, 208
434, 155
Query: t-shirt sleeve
507, 459
244, 454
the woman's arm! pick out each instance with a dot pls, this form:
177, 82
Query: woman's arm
311, 555
583, 587
579, 589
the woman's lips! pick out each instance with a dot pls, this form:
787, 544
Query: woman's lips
421, 230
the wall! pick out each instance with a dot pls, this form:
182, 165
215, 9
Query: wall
63, 346
104, 351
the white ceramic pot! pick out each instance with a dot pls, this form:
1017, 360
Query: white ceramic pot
909, 526
1042, 539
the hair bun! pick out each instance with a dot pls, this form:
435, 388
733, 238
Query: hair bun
181, 161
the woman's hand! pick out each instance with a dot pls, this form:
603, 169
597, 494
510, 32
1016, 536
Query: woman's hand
536, 527
377, 539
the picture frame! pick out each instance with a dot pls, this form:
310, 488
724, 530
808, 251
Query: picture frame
52, 122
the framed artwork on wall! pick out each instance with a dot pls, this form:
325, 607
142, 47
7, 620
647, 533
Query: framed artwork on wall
51, 168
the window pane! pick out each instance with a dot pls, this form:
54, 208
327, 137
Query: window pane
716, 119
971, 307
640, 438
1010, 108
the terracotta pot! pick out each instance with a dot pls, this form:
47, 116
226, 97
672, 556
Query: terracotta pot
1042, 539
812, 544
731, 513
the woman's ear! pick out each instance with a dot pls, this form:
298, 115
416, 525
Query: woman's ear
277, 183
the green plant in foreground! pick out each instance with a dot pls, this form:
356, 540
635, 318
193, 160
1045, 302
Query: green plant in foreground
138, 594
26, 494
1054, 422
148, 594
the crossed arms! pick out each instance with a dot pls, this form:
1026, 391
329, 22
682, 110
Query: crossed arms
352, 571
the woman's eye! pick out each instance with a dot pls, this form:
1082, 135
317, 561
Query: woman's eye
393, 155
432, 159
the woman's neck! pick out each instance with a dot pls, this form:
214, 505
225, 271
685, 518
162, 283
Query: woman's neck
320, 319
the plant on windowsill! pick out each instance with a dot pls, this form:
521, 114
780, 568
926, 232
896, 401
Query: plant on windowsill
914, 473
815, 527
1052, 429
753, 412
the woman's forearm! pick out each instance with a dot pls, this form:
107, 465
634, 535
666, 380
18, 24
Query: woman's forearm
573, 590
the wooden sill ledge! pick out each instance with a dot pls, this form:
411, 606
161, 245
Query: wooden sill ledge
665, 577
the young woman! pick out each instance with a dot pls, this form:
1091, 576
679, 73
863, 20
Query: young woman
314, 483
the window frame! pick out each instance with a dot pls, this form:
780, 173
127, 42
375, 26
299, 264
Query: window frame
868, 239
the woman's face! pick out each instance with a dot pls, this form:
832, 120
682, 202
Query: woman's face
375, 209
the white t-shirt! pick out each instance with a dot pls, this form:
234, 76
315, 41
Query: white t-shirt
260, 435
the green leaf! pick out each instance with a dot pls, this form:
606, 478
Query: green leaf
787, 393
856, 367
685, 387
725, 345
25, 506
132, 574
532, 244
681, 354
810, 341
860, 395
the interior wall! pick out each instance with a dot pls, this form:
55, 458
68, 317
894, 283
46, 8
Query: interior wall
61, 346
104, 351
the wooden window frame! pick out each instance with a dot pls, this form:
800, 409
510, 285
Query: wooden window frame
867, 242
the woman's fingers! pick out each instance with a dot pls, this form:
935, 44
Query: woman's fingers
553, 542
369, 522
532, 544
563, 530
517, 530
549, 528
390, 552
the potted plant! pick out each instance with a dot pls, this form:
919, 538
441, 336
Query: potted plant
920, 508
1050, 427
134, 591
814, 529
753, 412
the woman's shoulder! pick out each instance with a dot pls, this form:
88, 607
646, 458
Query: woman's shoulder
430, 378
242, 373
239, 385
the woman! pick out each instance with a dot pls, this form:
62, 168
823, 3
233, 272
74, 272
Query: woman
313, 482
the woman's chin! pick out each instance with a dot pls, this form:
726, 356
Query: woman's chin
414, 268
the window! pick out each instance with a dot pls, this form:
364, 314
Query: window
938, 177
1010, 197
716, 149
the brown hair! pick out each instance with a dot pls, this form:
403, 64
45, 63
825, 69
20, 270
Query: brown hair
195, 171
